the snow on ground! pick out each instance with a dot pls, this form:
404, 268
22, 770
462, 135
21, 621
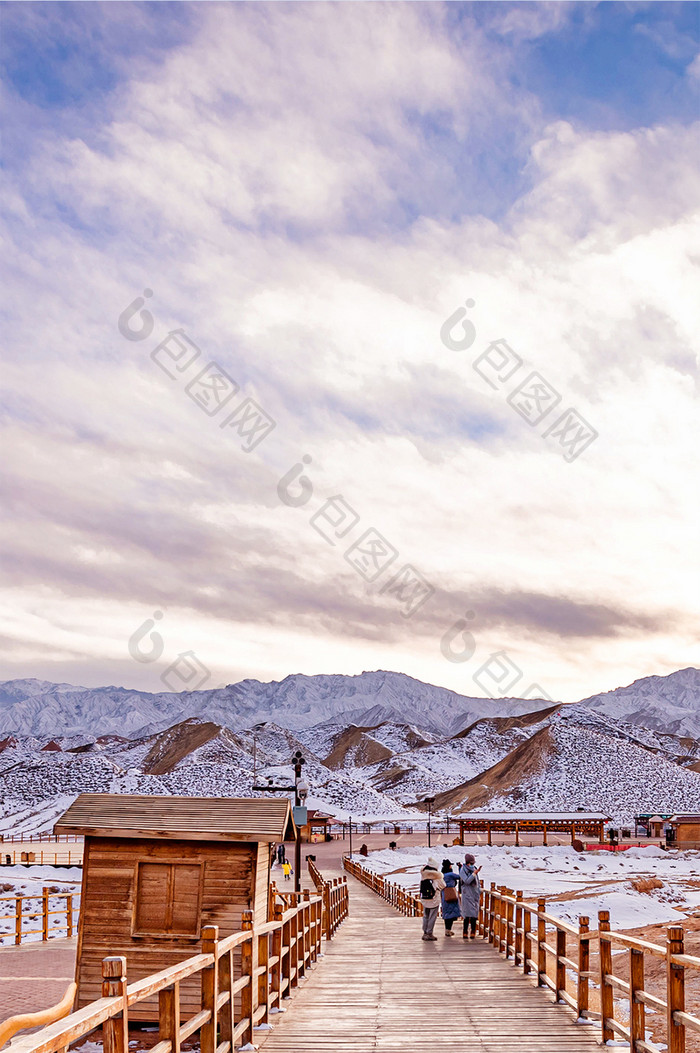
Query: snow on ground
574, 883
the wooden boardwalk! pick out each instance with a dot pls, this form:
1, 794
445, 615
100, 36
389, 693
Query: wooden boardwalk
380, 987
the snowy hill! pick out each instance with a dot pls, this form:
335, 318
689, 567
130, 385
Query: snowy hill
566, 766
669, 704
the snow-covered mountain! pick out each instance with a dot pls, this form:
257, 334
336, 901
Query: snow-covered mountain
566, 766
669, 704
37, 707
620, 752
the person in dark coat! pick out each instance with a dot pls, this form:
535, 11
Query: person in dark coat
450, 900
471, 894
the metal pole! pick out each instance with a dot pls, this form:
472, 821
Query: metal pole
297, 846
350, 835
428, 823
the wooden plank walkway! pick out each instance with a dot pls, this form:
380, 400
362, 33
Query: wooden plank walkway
380, 987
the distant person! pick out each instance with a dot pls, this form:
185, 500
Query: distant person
280, 854
287, 870
471, 894
363, 850
431, 885
450, 899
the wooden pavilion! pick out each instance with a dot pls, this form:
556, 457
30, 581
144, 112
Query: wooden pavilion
685, 830
316, 827
588, 824
156, 870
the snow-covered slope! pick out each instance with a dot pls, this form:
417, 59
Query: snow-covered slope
566, 766
669, 704
35, 707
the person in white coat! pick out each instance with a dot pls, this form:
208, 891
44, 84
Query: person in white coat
431, 885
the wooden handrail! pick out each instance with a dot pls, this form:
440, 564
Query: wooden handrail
13, 1024
274, 956
334, 894
519, 930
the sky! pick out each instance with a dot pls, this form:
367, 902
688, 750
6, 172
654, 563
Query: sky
350, 336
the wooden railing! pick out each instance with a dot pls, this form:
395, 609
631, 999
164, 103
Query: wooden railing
38, 909
549, 949
273, 958
23, 1021
40, 856
9, 837
403, 899
334, 894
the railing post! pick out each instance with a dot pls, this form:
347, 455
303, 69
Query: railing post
560, 973
541, 940
210, 988
327, 929
69, 915
263, 984
509, 922
518, 927
276, 972
227, 1014
44, 914
18, 920
169, 1016
492, 912
607, 1006
584, 964
115, 1030
675, 989
637, 1022
247, 969
527, 948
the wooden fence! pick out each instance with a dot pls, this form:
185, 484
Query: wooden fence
273, 959
235, 999
548, 948
40, 856
23, 911
334, 894
10, 837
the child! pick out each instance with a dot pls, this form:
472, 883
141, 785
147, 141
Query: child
287, 868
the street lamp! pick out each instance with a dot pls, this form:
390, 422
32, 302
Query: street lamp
430, 801
300, 789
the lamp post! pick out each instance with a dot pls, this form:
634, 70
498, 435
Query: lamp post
351, 836
300, 789
430, 801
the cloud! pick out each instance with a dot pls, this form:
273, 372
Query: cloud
310, 191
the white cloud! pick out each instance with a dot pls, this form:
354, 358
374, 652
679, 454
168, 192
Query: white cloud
232, 178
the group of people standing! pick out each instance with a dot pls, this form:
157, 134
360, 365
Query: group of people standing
458, 894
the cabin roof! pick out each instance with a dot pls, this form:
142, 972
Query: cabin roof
195, 818
533, 816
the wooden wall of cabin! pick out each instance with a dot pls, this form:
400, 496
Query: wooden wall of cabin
687, 832
235, 878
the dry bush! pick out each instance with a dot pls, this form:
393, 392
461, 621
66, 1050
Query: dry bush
646, 884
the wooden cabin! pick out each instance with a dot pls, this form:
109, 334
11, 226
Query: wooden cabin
316, 827
158, 869
588, 824
685, 831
